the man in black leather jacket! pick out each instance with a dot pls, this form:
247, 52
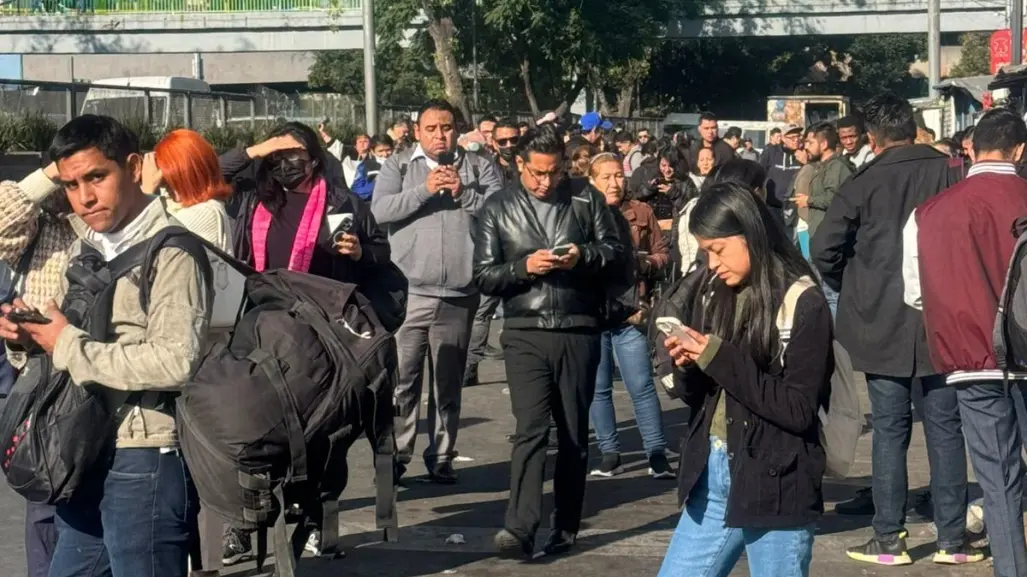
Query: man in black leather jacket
546, 245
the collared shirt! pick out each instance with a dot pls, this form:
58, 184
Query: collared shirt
432, 164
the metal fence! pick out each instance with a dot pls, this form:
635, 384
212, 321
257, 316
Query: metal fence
59, 102
14, 7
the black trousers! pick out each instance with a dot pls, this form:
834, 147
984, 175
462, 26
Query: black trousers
551, 374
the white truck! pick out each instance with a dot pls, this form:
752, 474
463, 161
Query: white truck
167, 107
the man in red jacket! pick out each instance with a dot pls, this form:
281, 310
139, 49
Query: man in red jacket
956, 248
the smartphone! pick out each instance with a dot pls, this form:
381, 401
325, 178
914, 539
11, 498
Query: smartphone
561, 250
341, 224
447, 159
672, 327
27, 316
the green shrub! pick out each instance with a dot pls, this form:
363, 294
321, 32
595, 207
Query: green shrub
29, 133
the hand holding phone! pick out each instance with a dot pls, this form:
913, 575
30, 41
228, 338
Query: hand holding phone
562, 250
672, 327
27, 316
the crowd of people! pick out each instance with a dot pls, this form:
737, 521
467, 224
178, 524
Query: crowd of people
572, 234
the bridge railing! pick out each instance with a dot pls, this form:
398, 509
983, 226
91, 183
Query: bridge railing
85, 7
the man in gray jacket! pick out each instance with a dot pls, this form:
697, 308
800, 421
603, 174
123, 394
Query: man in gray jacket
426, 197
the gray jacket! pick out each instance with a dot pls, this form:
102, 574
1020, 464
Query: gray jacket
430, 235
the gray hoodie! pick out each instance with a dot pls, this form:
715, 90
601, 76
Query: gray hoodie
430, 234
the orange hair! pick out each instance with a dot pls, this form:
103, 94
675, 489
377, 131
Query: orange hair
190, 168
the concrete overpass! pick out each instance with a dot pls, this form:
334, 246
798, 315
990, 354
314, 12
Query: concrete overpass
263, 26
836, 17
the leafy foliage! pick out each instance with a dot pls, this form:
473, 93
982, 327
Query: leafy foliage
404, 75
975, 57
33, 132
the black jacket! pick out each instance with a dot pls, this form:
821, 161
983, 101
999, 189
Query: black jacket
781, 166
507, 231
858, 250
238, 169
776, 458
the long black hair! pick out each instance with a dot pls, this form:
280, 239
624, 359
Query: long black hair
740, 170
269, 193
730, 209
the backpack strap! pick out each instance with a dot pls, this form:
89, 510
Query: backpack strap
786, 314
293, 427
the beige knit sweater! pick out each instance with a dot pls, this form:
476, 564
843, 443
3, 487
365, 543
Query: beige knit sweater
21, 219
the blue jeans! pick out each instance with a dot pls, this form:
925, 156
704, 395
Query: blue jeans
142, 525
832, 299
629, 347
946, 454
703, 547
992, 422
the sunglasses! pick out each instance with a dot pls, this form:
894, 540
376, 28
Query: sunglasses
512, 141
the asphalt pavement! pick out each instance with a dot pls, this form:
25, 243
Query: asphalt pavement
628, 522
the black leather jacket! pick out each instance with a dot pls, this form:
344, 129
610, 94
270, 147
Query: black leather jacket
507, 231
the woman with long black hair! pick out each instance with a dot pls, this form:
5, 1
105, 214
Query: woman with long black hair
753, 478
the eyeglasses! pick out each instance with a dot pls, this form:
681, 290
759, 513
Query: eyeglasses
553, 176
512, 141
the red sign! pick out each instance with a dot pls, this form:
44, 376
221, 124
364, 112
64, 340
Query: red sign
1001, 41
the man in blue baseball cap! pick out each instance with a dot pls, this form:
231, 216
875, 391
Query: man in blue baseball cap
593, 125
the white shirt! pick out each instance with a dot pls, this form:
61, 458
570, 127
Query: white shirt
113, 244
432, 164
861, 156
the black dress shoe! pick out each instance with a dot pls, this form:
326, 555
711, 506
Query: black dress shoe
511, 546
559, 542
493, 353
443, 474
471, 376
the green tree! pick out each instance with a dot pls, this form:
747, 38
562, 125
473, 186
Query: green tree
405, 75
438, 18
975, 57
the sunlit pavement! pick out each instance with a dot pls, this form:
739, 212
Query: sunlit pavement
628, 518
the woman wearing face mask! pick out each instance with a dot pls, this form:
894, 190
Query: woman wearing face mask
627, 343
753, 479
288, 215
283, 204
185, 169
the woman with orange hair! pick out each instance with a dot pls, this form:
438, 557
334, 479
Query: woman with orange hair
186, 167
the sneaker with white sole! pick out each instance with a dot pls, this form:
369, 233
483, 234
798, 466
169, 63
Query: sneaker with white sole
609, 466
314, 543
660, 468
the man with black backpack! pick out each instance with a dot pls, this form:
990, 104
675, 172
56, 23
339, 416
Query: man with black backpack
956, 250
544, 245
427, 197
133, 512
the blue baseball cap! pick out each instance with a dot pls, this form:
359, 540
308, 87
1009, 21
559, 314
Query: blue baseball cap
593, 120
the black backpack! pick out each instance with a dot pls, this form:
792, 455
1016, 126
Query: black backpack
267, 420
1010, 334
56, 433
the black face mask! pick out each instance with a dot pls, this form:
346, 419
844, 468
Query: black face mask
291, 173
507, 154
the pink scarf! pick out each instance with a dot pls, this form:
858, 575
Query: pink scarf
306, 234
